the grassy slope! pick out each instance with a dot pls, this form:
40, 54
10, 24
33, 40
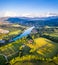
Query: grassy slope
44, 47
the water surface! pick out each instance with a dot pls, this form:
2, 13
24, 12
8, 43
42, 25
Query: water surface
25, 33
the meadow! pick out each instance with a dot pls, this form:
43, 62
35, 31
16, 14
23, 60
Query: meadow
36, 48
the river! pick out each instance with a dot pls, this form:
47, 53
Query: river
25, 33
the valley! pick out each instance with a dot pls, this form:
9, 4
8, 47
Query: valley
38, 45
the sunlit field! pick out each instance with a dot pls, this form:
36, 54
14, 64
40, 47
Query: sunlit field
40, 49
44, 47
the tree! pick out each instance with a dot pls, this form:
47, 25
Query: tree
2, 60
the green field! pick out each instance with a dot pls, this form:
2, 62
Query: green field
36, 49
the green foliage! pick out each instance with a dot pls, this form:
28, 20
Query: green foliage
22, 51
55, 39
2, 60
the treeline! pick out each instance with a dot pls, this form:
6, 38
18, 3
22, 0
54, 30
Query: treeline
55, 39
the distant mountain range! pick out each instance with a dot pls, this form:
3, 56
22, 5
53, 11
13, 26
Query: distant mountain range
35, 21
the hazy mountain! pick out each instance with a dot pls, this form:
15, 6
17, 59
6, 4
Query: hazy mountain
36, 21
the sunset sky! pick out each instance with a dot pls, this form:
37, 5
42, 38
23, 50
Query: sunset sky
28, 7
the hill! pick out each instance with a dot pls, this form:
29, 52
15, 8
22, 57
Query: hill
36, 21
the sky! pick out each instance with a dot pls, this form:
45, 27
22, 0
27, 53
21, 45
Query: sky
28, 7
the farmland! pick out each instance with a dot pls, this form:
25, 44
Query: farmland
39, 47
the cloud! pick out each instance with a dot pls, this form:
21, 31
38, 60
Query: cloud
9, 14
26, 14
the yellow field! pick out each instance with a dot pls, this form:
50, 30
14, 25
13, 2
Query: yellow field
44, 47
15, 32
